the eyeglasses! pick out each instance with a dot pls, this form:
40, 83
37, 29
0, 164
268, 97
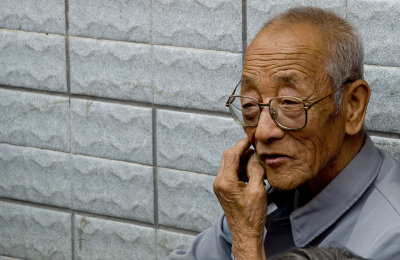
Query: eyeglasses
289, 113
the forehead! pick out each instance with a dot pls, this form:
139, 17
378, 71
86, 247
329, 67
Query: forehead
288, 54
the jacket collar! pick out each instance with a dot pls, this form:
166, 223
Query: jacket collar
337, 197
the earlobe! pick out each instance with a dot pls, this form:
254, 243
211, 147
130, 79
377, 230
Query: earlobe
356, 99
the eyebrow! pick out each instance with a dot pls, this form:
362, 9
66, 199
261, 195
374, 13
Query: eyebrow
288, 79
247, 79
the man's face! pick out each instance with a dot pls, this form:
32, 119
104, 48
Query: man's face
288, 61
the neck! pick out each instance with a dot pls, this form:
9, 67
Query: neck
351, 146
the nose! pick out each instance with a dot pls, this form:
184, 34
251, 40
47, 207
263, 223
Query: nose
267, 130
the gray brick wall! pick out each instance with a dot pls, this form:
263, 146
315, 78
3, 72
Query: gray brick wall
112, 116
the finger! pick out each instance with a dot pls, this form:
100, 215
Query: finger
244, 160
255, 172
241, 146
229, 167
231, 157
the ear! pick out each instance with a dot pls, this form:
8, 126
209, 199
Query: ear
355, 100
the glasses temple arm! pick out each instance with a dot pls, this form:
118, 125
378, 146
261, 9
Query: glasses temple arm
233, 92
336, 90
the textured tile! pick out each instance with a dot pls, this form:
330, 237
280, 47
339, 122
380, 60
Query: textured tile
379, 24
195, 78
33, 233
33, 15
8, 258
169, 241
104, 239
383, 113
34, 120
35, 175
111, 69
110, 19
113, 188
259, 12
206, 24
194, 142
186, 200
111, 130
390, 145
32, 60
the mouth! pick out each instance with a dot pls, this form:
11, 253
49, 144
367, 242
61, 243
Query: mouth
273, 159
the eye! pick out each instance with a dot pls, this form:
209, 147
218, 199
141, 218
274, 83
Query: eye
249, 105
289, 101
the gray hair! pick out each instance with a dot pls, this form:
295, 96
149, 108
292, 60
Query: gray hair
344, 60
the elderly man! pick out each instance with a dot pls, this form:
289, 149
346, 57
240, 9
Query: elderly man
302, 102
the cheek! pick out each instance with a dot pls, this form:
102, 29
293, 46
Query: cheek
313, 153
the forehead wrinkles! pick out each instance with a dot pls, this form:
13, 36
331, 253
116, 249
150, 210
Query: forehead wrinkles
303, 58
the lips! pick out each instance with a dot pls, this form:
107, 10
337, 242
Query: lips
274, 159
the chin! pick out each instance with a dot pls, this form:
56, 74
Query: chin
284, 182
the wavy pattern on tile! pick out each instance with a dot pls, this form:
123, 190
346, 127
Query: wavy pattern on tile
177, 190
194, 142
194, 78
34, 233
116, 19
105, 239
113, 188
34, 120
199, 24
35, 175
111, 131
32, 60
33, 15
111, 69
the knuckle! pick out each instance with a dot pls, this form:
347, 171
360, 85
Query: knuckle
229, 153
220, 186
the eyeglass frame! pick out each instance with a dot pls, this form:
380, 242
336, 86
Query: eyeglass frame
260, 105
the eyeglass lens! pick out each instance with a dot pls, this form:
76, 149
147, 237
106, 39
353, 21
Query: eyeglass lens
287, 112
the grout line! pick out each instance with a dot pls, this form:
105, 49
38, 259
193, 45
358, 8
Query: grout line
121, 102
67, 60
114, 160
384, 134
108, 159
244, 28
381, 66
68, 79
73, 236
69, 125
155, 172
150, 43
40, 205
35, 91
154, 139
32, 32
121, 41
189, 172
179, 230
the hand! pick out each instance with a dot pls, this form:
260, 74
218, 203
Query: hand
245, 204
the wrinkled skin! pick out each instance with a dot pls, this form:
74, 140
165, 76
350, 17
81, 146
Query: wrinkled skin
286, 62
245, 204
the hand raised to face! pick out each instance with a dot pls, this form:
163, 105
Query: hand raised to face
244, 204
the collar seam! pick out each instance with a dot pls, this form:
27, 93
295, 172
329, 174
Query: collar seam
386, 199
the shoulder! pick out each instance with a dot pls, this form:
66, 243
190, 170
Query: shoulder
376, 232
387, 183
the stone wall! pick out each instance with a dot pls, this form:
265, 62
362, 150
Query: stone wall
112, 116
